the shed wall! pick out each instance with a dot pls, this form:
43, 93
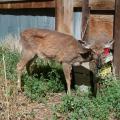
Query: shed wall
15, 21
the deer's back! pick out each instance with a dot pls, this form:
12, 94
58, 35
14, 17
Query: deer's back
50, 44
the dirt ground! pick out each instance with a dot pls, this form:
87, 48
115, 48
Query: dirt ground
37, 111
16, 106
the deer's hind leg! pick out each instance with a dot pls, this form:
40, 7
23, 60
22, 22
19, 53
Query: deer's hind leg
26, 57
28, 65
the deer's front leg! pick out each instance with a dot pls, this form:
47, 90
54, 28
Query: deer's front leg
20, 68
67, 72
21, 65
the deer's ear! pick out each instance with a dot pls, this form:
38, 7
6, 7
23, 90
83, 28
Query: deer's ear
109, 44
85, 44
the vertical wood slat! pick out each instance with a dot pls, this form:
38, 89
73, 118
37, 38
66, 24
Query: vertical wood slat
85, 18
64, 16
59, 15
116, 61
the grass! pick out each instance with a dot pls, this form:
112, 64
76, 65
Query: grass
46, 76
46, 79
105, 106
37, 87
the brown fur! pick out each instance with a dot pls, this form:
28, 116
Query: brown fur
49, 44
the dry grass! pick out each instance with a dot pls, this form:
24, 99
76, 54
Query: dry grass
15, 105
11, 42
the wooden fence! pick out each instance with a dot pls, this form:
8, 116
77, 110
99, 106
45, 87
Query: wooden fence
102, 17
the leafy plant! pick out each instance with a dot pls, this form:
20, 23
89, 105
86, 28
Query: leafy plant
82, 107
46, 76
11, 59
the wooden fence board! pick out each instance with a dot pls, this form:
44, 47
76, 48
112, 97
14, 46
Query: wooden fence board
94, 4
64, 16
101, 28
116, 61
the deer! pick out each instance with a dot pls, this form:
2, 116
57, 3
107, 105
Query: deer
53, 45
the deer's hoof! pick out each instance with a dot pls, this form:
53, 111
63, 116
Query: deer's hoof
69, 93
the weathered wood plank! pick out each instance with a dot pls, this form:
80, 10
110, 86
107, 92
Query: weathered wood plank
59, 15
11, 0
94, 4
64, 16
97, 4
32, 4
101, 28
85, 19
102, 4
116, 61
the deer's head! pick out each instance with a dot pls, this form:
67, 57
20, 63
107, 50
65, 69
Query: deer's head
97, 48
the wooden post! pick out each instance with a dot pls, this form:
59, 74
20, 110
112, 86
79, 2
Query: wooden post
116, 61
85, 37
64, 16
85, 18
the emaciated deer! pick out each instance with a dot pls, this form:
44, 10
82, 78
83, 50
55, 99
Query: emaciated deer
49, 44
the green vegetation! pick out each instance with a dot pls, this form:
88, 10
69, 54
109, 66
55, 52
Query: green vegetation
104, 107
47, 81
47, 78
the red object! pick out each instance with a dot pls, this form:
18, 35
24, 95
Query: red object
106, 51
